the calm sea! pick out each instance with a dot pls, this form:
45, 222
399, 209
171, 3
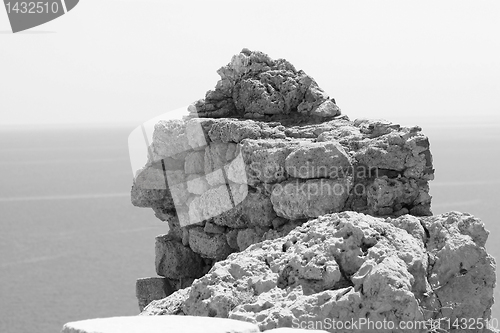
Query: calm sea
72, 245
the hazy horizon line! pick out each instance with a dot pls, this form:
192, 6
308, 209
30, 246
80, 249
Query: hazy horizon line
441, 121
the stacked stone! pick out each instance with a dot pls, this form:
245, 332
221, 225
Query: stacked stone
150, 289
268, 151
254, 86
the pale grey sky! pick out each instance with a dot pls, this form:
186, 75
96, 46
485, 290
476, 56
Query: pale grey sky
114, 61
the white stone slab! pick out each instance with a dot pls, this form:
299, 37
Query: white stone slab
160, 324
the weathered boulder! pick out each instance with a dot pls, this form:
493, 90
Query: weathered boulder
150, 289
176, 261
318, 160
195, 163
191, 158
286, 216
208, 244
296, 199
347, 266
255, 86
384, 175
265, 151
293, 172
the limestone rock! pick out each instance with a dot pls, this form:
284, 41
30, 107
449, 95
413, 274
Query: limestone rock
209, 245
258, 209
247, 237
169, 139
150, 289
212, 228
150, 187
174, 219
197, 184
297, 199
215, 202
217, 155
178, 187
194, 162
265, 160
333, 216
265, 151
389, 194
283, 128
462, 274
195, 133
253, 86
349, 266
387, 173
232, 238
174, 260
234, 130
179, 284
168, 306
318, 160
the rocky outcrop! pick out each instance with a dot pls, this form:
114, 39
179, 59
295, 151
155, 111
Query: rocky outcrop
350, 267
263, 153
340, 160
286, 216
255, 86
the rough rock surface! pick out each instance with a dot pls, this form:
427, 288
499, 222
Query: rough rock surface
255, 86
171, 257
249, 190
348, 266
265, 151
150, 289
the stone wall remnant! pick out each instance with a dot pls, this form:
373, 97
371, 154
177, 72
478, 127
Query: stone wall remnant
263, 153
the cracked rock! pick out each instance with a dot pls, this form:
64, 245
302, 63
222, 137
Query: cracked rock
174, 260
297, 199
347, 266
265, 151
254, 86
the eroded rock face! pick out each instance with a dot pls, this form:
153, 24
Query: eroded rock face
150, 289
348, 266
387, 174
255, 86
171, 258
384, 174
295, 173
298, 199
265, 151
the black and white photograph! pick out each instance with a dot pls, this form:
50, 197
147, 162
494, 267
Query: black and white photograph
249, 166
